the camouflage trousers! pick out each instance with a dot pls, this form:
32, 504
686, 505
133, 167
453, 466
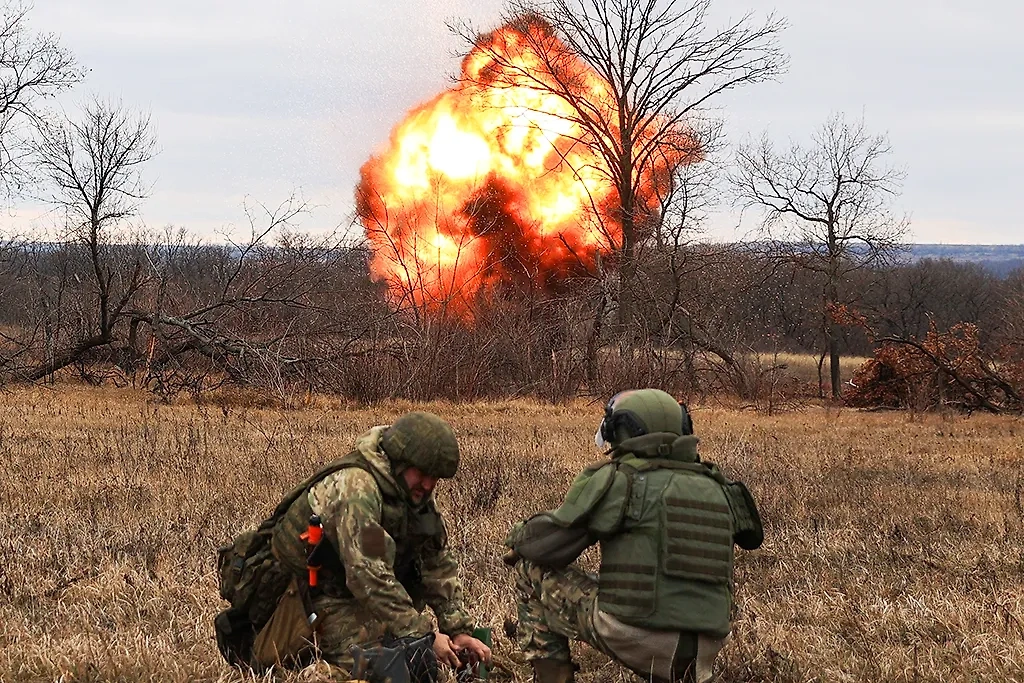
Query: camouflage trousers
343, 623
556, 606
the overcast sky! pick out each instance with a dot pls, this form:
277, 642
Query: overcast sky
259, 97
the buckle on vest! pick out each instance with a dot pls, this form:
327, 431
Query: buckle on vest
664, 450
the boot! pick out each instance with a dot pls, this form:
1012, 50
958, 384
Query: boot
553, 671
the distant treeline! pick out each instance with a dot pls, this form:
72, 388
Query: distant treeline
1000, 259
304, 315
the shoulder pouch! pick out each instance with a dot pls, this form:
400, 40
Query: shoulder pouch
749, 532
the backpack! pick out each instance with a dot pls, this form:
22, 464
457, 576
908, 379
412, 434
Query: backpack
253, 581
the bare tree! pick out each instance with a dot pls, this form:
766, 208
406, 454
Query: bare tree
827, 206
93, 168
909, 299
13, 280
113, 299
254, 310
661, 64
33, 67
682, 302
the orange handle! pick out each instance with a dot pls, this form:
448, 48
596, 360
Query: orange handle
314, 534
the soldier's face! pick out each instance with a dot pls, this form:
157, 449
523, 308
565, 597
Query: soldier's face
420, 485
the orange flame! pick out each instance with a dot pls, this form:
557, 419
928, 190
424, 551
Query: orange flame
496, 179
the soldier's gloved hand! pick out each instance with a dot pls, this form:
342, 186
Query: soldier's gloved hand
477, 649
444, 651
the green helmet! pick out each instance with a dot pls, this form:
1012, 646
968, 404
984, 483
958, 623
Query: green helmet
642, 411
425, 441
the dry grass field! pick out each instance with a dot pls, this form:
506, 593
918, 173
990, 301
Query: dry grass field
895, 548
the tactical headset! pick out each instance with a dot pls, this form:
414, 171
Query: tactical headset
631, 422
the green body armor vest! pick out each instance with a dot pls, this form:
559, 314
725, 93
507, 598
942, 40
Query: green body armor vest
666, 524
670, 565
413, 530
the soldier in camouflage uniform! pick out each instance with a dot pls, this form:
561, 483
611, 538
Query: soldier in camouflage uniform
389, 555
666, 524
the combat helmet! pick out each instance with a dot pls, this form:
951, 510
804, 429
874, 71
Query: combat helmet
425, 441
642, 411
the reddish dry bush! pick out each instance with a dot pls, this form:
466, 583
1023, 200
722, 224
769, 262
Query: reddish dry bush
951, 368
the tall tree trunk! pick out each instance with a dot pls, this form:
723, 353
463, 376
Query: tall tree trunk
594, 341
821, 379
627, 266
627, 283
833, 329
833, 361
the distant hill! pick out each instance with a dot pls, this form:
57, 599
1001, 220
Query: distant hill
1000, 259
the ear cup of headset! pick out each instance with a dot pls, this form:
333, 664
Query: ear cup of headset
627, 421
608, 423
686, 428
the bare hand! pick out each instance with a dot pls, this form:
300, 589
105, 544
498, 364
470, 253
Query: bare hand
444, 652
478, 651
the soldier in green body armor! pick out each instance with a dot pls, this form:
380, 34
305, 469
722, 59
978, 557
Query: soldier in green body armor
666, 524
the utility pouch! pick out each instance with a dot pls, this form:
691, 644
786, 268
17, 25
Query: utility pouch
287, 637
246, 551
749, 532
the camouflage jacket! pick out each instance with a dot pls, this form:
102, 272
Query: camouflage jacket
391, 556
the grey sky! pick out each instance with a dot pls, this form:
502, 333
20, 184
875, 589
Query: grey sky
256, 98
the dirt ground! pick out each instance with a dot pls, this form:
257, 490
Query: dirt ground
894, 551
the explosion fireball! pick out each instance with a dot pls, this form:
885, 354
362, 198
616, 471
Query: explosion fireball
496, 179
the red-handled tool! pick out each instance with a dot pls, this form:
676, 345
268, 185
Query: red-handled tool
313, 535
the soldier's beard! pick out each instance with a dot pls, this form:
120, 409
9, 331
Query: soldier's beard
417, 496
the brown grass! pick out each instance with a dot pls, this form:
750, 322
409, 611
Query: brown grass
895, 550
804, 367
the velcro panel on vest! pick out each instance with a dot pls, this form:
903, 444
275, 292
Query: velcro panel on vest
627, 583
697, 529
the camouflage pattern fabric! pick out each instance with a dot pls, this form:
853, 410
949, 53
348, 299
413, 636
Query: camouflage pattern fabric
554, 607
349, 504
443, 592
342, 624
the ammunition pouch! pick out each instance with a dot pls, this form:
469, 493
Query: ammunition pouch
749, 532
287, 637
